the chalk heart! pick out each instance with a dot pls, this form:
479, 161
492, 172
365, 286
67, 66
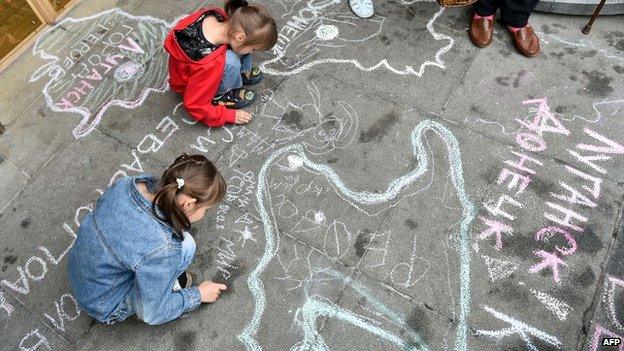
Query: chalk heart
326, 32
97, 62
294, 284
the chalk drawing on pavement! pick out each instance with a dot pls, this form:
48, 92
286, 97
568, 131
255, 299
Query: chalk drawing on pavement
326, 32
97, 62
272, 207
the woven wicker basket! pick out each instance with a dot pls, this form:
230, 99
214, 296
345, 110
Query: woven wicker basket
455, 3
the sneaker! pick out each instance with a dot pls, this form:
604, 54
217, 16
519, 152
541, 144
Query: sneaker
362, 8
236, 98
255, 77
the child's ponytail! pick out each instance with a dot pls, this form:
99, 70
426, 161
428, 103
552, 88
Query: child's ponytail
194, 176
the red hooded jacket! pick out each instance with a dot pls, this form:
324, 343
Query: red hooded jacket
198, 81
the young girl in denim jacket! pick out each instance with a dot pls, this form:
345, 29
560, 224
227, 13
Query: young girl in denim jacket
133, 249
210, 60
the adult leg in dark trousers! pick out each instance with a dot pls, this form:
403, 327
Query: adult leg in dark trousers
514, 14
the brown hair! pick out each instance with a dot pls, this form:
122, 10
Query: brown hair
202, 181
253, 20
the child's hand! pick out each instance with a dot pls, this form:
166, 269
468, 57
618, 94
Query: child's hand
210, 291
242, 117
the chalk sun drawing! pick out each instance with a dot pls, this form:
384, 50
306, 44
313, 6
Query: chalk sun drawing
97, 62
320, 32
337, 238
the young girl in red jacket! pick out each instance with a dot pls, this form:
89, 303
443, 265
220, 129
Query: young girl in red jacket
210, 60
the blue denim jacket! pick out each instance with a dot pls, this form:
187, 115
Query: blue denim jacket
126, 261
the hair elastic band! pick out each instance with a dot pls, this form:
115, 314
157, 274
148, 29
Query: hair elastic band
180, 182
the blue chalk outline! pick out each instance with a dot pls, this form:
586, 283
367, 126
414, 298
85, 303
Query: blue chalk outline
255, 284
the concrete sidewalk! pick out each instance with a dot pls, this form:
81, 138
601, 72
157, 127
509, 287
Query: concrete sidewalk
397, 189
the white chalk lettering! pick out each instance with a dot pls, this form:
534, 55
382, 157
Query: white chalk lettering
61, 312
29, 346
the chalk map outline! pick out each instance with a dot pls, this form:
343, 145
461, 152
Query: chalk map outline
254, 281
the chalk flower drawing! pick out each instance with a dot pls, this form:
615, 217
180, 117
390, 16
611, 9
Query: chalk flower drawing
93, 63
308, 276
317, 32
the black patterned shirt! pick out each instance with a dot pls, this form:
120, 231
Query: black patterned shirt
192, 40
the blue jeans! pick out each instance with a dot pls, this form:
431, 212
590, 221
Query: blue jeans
188, 252
234, 66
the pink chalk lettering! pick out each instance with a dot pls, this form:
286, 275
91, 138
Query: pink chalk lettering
76, 96
107, 67
520, 163
7, 307
65, 104
133, 46
575, 196
588, 160
112, 59
83, 88
497, 228
544, 234
531, 142
94, 75
515, 179
550, 260
611, 147
596, 182
542, 117
24, 289
598, 333
498, 211
569, 214
41, 341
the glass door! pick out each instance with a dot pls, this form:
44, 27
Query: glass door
18, 21
21, 20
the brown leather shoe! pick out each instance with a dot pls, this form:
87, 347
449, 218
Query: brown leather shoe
526, 41
481, 31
